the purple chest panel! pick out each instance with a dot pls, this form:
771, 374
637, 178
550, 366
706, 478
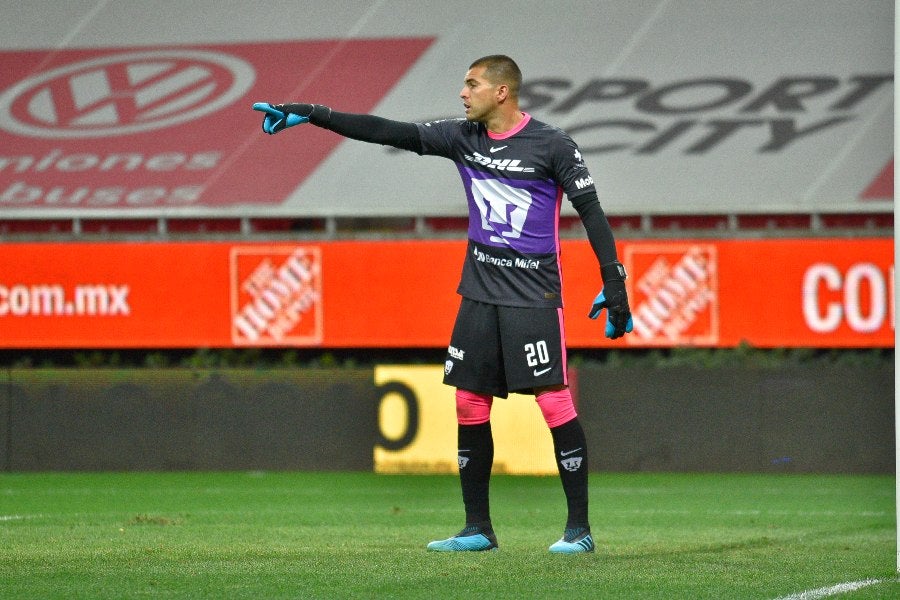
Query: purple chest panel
521, 214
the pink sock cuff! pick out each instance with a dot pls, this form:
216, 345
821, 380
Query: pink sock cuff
472, 408
557, 407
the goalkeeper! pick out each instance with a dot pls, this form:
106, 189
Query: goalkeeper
508, 335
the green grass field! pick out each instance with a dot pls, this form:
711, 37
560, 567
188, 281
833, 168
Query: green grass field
361, 535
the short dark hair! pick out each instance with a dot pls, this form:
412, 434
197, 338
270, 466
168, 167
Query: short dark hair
499, 68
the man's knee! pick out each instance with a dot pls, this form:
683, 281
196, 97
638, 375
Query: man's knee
473, 408
556, 406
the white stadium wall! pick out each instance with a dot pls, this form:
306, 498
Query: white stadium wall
143, 108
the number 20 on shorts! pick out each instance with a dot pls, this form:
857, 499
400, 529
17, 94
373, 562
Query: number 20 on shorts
536, 354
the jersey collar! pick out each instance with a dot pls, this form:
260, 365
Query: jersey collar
513, 131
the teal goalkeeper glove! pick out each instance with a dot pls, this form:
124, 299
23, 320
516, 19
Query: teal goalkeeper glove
276, 120
614, 299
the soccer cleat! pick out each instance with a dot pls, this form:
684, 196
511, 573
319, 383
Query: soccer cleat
574, 541
473, 538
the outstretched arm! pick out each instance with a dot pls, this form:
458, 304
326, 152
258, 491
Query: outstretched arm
365, 128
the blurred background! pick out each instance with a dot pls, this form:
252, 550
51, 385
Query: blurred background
179, 290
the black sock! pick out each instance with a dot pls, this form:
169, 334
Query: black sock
476, 457
570, 450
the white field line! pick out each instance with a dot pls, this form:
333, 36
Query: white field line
751, 512
834, 590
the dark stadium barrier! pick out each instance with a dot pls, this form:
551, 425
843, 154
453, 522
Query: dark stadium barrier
799, 419
186, 420
803, 419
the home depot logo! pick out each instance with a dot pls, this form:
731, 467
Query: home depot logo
276, 296
124, 93
674, 294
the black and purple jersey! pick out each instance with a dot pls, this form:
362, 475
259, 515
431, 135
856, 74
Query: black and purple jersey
514, 184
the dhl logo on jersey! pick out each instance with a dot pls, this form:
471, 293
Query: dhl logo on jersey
501, 164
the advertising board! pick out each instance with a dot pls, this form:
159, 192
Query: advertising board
401, 294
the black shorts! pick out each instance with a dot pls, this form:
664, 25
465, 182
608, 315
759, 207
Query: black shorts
501, 349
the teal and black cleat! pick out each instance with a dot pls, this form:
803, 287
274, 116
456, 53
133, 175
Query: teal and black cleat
473, 538
574, 541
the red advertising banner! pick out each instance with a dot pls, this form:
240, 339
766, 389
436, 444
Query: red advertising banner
170, 128
767, 293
